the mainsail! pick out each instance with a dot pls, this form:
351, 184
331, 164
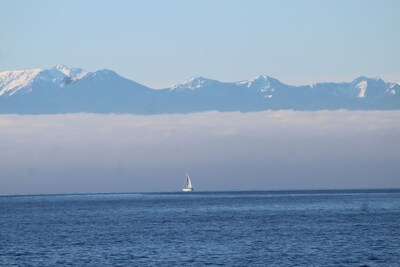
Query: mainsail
188, 184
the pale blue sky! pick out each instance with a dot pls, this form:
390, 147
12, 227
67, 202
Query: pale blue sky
159, 43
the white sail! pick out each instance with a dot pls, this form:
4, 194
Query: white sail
188, 184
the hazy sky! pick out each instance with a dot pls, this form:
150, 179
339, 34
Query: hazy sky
160, 43
222, 151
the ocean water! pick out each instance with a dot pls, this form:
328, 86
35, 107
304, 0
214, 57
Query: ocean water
279, 228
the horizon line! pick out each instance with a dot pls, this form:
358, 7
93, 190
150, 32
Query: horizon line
201, 191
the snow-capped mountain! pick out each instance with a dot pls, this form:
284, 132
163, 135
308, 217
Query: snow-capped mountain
13, 81
262, 83
193, 84
63, 90
62, 71
22, 82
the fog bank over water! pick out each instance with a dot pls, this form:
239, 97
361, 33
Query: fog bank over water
222, 151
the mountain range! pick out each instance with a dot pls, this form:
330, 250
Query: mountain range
69, 90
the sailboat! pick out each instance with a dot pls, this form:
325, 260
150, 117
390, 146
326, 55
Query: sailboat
188, 184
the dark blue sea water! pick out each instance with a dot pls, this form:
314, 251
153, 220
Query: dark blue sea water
283, 228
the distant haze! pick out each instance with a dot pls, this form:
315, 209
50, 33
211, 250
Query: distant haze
222, 151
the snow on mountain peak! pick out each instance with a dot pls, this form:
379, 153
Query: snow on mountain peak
363, 88
73, 73
12, 81
262, 77
16, 80
262, 83
61, 67
192, 84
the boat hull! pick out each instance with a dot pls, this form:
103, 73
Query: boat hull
187, 189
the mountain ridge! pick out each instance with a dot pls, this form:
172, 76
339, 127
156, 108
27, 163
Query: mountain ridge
61, 89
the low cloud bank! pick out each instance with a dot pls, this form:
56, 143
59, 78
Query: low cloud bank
221, 151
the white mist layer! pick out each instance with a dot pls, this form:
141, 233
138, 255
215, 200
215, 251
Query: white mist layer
222, 151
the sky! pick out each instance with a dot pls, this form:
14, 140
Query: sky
270, 150
161, 43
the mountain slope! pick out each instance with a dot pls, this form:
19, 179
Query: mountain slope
65, 90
